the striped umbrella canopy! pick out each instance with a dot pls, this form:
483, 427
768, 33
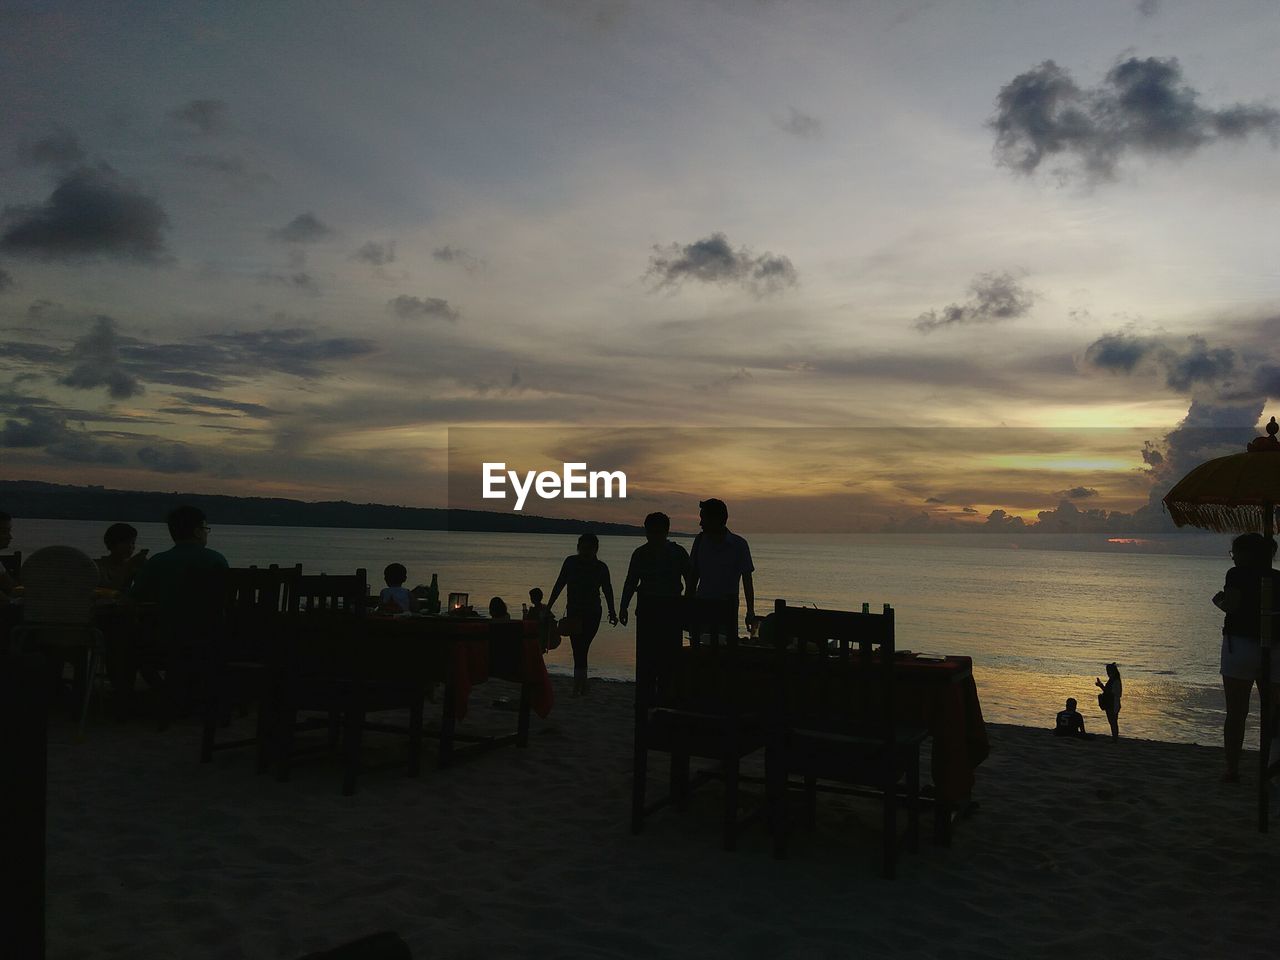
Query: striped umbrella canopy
1233, 494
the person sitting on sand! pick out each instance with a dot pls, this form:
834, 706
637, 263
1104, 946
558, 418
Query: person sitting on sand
1241, 600
1109, 698
121, 564
1069, 722
498, 609
394, 597
8, 586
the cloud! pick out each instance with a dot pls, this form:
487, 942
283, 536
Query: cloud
298, 280
995, 297
1148, 8
1185, 366
600, 14
1077, 493
60, 149
221, 403
420, 308
34, 427
205, 116
91, 212
377, 253
800, 124
1143, 106
97, 362
934, 500
714, 260
169, 457
6, 280
462, 258
304, 228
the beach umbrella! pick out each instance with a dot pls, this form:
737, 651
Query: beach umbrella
1238, 494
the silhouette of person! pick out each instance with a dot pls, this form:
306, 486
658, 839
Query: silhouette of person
585, 576
720, 558
659, 570
537, 609
1069, 722
8, 585
1240, 600
163, 578
121, 563
498, 609
1109, 698
395, 597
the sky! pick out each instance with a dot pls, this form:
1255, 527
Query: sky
907, 265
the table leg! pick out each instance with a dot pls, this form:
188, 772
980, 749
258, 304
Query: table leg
415, 733
447, 723
522, 727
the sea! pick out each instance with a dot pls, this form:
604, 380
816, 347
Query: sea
1040, 615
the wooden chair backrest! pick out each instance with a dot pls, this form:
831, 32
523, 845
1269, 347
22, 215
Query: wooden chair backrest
705, 674
12, 564
345, 592
836, 668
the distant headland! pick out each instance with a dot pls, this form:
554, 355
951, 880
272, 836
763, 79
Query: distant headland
53, 501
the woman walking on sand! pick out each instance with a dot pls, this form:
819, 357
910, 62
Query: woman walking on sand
586, 576
1109, 698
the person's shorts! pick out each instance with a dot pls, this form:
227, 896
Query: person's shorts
1241, 657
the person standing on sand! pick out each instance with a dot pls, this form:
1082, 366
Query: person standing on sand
720, 558
1240, 599
1109, 698
586, 576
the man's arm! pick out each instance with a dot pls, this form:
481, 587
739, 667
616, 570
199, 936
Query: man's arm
607, 586
560, 582
7, 584
749, 592
629, 586
693, 567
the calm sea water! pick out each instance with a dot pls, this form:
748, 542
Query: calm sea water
1039, 615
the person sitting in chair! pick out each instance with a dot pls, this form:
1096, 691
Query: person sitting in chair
1070, 722
121, 564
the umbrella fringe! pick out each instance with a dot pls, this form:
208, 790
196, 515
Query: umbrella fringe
1221, 518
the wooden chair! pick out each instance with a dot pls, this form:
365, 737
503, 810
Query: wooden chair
246, 612
689, 703
345, 592
333, 669
837, 718
11, 563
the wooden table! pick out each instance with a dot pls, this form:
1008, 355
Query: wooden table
937, 694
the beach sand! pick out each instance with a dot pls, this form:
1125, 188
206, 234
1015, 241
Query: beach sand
1078, 849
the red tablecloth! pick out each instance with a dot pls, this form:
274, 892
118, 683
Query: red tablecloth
943, 696
506, 649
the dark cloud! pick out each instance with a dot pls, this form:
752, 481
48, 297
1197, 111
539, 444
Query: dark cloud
91, 212
205, 116
60, 149
1185, 366
449, 254
800, 124
934, 500
1077, 493
96, 356
714, 260
299, 280
600, 14
304, 228
169, 457
420, 308
1148, 8
221, 403
1121, 352
293, 351
6, 280
1142, 106
377, 253
994, 297
35, 427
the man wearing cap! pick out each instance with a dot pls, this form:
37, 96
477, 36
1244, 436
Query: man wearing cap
720, 558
